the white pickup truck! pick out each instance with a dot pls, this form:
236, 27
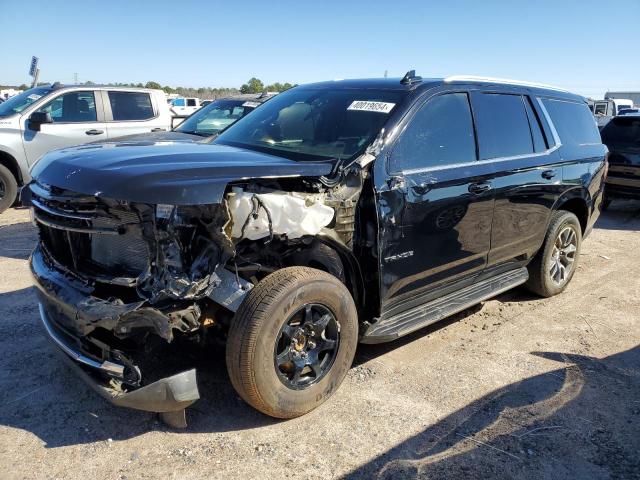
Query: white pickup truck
181, 108
55, 116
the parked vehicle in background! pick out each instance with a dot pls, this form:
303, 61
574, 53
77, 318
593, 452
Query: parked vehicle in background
209, 120
622, 136
204, 103
56, 116
629, 111
605, 110
183, 107
337, 212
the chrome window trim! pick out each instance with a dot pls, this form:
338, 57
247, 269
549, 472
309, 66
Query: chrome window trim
481, 162
554, 132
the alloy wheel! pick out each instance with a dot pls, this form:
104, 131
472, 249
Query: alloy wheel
563, 255
306, 346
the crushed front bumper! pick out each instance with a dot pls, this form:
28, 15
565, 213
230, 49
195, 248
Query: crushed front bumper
60, 295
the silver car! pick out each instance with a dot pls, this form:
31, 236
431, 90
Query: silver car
55, 116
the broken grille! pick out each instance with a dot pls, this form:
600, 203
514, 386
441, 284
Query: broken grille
88, 236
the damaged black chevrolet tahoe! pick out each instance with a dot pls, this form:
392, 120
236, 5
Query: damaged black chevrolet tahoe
337, 213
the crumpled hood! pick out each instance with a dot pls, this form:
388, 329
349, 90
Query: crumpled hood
175, 173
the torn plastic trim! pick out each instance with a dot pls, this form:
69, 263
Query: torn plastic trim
84, 312
170, 394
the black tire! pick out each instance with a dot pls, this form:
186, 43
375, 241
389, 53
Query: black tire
8, 188
541, 280
258, 326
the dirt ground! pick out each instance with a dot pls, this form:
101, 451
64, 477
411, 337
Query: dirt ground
517, 387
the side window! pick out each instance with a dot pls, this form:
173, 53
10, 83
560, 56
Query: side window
502, 125
539, 144
440, 133
601, 109
573, 121
191, 102
130, 106
178, 102
72, 107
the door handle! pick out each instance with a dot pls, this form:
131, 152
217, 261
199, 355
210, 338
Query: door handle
94, 132
158, 129
548, 174
479, 187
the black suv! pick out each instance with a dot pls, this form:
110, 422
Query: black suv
337, 212
622, 136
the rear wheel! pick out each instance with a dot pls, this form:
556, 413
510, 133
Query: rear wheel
553, 267
8, 188
292, 341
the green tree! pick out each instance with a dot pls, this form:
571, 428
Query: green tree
155, 85
254, 85
168, 89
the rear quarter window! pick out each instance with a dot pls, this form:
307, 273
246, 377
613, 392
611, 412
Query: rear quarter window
573, 121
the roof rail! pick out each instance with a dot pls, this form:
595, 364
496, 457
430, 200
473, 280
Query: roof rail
505, 81
410, 77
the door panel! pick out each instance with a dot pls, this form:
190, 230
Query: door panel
131, 113
435, 213
434, 232
76, 120
527, 175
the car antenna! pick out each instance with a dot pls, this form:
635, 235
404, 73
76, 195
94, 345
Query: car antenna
410, 77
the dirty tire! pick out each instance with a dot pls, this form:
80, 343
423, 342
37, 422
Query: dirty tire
9, 185
255, 329
540, 279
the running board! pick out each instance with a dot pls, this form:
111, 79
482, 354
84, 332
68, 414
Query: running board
387, 329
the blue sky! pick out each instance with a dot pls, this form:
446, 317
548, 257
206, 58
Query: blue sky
570, 43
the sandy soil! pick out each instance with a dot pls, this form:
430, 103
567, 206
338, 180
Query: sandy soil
517, 387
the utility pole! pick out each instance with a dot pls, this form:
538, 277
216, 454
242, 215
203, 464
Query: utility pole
35, 78
75, 78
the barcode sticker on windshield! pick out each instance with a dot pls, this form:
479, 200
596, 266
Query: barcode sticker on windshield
365, 106
33, 96
251, 104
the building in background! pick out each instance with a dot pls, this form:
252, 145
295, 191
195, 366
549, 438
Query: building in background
634, 96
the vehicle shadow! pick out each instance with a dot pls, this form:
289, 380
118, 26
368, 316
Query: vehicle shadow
40, 394
17, 240
621, 215
578, 421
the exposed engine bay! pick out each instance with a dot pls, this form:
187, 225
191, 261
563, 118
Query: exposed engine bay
164, 270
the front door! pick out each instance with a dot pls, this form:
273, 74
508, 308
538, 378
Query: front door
435, 211
77, 119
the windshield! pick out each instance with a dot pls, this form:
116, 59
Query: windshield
216, 116
18, 103
622, 131
315, 124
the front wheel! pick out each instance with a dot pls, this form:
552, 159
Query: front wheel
553, 267
8, 188
292, 341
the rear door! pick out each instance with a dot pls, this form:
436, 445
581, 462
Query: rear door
131, 113
77, 118
436, 209
527, 178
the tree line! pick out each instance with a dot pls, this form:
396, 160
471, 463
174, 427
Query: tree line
253, 85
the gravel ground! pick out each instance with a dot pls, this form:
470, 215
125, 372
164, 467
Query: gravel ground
517, 387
